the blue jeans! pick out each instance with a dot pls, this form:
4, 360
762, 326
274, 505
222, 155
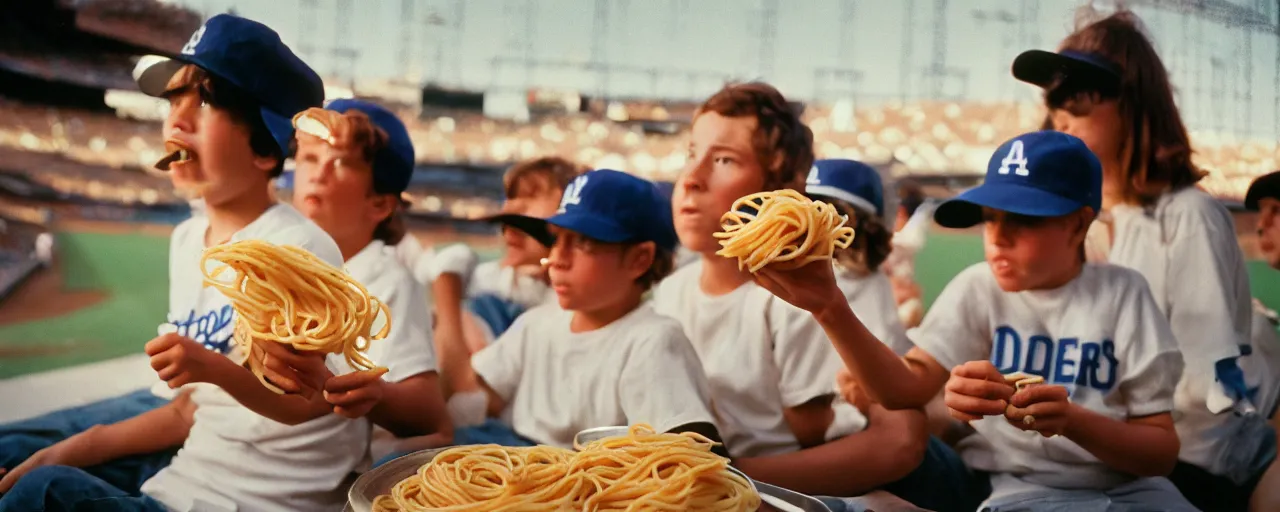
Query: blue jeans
941, 483
497, 313
71, 489
491, 432
21, 440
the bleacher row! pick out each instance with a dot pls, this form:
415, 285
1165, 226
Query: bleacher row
921, 137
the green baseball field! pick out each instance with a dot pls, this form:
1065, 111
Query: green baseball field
114, 288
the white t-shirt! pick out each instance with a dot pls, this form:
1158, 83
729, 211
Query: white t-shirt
1186, 248
761, 356
556, 383
871, 298
234, 459
1100, 335
407, 350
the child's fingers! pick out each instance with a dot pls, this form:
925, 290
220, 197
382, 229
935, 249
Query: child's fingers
285, 354
167, 373
161, 343
981, 370
973, 405
179, 380
166, 358
353, 380
963, 416
281, 376
1039, 393
978, 387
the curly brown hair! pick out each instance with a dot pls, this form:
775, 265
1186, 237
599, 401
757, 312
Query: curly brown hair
664, 263
783, 144
1158, 151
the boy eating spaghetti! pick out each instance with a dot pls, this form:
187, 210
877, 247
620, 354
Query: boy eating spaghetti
771, 370
232, 92
1098, 432
600, 356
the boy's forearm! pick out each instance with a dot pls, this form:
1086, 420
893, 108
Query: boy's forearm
884, 375
159, 429
1141, 447
289, 409
411, 407
890, 448
456, 374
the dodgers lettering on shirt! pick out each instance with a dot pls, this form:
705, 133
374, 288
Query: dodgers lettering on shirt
1061, 361
1100, 336
213, 329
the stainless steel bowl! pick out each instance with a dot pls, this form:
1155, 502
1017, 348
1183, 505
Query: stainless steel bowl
380, 480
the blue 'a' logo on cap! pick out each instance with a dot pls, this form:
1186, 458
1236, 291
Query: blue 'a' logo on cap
1015, 161
190, 47
573, 193
813, 176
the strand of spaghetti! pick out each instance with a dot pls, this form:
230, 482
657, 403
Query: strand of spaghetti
284, 294
782, 228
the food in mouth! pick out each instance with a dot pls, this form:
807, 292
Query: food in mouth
309, 122
176, 152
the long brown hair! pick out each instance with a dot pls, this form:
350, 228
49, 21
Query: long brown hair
872, 240
1157, 154
783, 144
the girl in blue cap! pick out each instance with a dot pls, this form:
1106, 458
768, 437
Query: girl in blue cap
1107, 85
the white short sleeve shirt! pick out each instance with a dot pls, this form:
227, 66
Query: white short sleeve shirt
556, 383
1101, 336
234, 459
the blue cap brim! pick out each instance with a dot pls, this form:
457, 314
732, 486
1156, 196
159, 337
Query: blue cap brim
281, 129
1041, 68
965, 210
532, 226
591, 226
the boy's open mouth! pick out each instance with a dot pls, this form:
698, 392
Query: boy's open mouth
177, 152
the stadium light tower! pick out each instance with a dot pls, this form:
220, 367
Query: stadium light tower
407, 24
1004, 22
599, 51
768, 35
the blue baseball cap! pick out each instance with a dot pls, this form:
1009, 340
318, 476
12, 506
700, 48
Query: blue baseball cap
393, 165
250, 56
850, 181
1043, 69
614, 207
1039, 174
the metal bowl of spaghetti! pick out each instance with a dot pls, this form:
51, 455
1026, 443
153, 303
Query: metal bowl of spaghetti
380, 480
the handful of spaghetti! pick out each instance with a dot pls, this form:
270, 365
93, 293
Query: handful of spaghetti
642, 471
284, 294
782, 228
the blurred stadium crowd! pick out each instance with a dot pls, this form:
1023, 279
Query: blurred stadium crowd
67, 152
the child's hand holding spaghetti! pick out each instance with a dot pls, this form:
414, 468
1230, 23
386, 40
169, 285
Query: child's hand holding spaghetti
776, 235
782, 228
179, 360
